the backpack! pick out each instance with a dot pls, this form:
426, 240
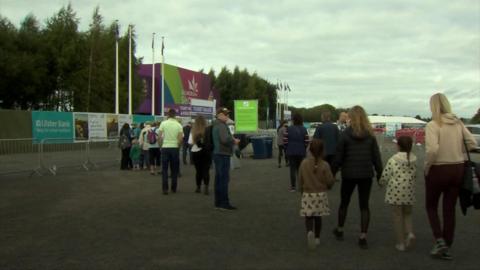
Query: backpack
123, 142
152, 136
208, 139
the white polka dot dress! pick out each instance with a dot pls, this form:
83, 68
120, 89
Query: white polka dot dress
399, 176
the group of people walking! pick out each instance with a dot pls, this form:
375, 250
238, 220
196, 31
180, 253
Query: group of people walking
160, 144
350, 147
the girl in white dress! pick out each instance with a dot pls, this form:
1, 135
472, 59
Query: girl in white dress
399, 176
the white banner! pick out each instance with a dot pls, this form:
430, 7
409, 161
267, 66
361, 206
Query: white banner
97, 127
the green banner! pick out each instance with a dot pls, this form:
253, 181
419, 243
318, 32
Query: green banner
246, 115
56, 126
140, 118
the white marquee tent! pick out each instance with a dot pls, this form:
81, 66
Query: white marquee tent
378, 119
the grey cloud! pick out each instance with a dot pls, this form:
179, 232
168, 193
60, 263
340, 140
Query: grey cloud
390, 56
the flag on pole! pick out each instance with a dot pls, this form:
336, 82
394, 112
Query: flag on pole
288, 88
163, 46
117, 33
153, 41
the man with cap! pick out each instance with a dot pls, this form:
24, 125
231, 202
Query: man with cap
223, 143
172, 133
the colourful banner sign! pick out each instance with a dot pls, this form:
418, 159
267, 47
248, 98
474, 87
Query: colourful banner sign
52, 127
246, 115
181, 86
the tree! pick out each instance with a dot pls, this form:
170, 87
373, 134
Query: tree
476, 118
9, 67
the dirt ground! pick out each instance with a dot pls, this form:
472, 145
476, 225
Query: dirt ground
112, 219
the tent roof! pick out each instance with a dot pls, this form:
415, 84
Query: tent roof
394, 119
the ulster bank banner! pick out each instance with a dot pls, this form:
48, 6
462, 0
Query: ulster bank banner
65, 127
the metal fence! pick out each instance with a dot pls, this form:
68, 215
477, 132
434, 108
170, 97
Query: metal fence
52, 155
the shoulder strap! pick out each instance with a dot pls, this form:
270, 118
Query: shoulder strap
465, 144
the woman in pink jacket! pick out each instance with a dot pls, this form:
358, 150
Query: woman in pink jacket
444, 165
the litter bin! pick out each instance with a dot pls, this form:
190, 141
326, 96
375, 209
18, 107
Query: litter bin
262, 146
259, 147
269, 146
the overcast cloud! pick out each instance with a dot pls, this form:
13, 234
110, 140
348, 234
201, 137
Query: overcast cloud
389, 56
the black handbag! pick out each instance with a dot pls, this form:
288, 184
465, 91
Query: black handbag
470, 191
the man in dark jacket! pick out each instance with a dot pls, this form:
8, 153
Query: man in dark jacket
328, 132
223, 142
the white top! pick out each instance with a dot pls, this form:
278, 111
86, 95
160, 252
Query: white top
195, 147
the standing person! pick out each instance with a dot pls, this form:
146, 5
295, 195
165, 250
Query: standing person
314, 179
135, 154
223, 142
296, 140
399, 175
154, 153
281, 131
342, 121
202, 157
328, 132
172, 134
144, 158
125, 143
444, 166
185, 146
357, 155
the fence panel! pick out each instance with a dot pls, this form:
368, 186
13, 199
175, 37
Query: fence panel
19, 156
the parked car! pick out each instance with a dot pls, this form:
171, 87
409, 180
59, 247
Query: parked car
475, 130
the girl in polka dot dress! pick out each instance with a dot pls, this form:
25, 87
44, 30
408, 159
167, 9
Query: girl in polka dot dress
399, 176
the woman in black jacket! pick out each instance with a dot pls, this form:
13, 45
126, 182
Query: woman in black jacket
357, 155
125, 144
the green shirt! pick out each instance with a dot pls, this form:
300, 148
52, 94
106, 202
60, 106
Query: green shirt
170, 129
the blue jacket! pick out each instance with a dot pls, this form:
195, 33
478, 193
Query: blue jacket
296, 140
328, 132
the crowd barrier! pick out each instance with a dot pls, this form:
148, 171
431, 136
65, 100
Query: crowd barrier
48, 156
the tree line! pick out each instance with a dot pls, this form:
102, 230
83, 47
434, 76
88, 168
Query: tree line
59, 68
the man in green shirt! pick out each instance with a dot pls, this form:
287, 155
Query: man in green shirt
172, 134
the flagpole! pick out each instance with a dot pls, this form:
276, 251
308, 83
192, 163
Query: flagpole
153, 74
116, 71
130, 69
163, 78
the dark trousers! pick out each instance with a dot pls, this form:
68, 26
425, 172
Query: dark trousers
144, 159
186, 148
314, 224
202, 161
154, 156
295, 162
346, 191
329, 159
443, 180
222, 177
126, 162
170, 157
282, 152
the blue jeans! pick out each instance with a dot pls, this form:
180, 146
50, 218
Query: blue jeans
170, 156
222, 177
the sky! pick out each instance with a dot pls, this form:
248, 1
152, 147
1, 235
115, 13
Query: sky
387, 56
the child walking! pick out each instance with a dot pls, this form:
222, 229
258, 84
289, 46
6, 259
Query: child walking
314, 178
135, 154
399, 177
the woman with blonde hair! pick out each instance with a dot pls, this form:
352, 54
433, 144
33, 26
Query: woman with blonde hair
357, 155
201, 156
445, 137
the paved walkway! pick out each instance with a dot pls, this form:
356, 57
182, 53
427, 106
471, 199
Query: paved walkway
110, 219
